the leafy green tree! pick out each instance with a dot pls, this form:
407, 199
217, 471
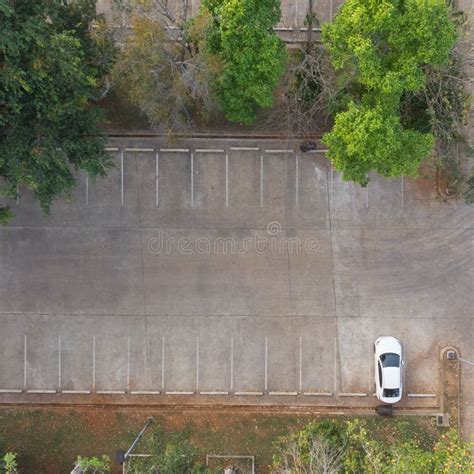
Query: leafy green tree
385, 43
368, 138
52, 67
253, 57
93, 465
9, 464
384, 47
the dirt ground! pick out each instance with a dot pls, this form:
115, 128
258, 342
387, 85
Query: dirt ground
48, 440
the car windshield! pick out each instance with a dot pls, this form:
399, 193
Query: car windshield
390, 360
391, 392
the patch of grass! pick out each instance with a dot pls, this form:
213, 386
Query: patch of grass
50, 440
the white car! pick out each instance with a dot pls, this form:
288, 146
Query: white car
388, 369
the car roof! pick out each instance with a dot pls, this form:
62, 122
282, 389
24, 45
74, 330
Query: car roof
391, 377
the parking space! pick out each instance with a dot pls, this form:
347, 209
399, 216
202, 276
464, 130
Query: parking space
301, 356
239, 269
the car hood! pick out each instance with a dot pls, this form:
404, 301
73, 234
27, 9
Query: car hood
388, 344
391, 377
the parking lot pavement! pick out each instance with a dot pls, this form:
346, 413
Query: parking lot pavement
233, 267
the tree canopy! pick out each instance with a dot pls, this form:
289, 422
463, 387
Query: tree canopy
52, 65
253, 57
384, 46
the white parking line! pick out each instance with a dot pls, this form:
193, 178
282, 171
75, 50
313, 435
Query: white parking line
244, 148
128, 363
261, 180
317, 394
266, 363
111, 392
110, 148
175, 150
300, 363
403, 191
296, 13
140, 150
283, 28
197, 363
192, 180
145, 392
226, 180
157, 181
213, 393
209, 150
352, 394
93, 362
422, 395
24, 360
367, 196
121, 178
41, 391
335, 364
87, 190
78, 392
249, 394
11, 390
279, 151
179, 393
232, 363
284, 394
297, 192
59, 362
163, 363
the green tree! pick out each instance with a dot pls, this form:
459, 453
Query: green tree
384, 47
94, 465
253, 57
8, 464
52, 67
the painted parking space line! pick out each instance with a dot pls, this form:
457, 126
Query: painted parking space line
111, 148
11, 390
192, 179
352, 394
25, 361
249, 394
163, 363
297, 180
87, 190
121, 178
226, 180
279, 151
197, 363
261, 180
76, 392
59, 362
317, 394
266, 363
179, 393
209, 150
232, 363
244, 148
283, 394
111, 392
140, 150
421, 395
300, 363
93, 363
214, 393
145, 392
157, 180
174, 150
42, 391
